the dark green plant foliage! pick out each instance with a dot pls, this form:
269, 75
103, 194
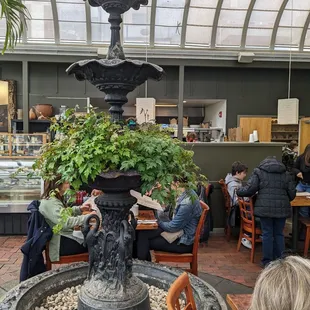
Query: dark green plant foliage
93, 144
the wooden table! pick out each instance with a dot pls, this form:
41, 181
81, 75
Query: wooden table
143, 215
239, 301
299, 201
146, 215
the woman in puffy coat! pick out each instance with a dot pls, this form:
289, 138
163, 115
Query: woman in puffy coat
274, 190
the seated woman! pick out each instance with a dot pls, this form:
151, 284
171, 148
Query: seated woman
51, 205
185, 221
283, 285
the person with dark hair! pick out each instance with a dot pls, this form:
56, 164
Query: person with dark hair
302, 171
233, 181
275, 189
51, 207
289, 155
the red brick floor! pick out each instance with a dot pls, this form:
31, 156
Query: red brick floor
219, 258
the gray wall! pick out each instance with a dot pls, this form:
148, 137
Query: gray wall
248, 91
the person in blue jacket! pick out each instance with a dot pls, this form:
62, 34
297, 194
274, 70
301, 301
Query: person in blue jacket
183, 225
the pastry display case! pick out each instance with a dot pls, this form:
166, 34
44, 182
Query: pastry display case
22, 146
18, 190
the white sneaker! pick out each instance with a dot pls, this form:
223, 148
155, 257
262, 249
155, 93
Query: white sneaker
247, 243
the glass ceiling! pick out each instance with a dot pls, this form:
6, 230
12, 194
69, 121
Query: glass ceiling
204, 24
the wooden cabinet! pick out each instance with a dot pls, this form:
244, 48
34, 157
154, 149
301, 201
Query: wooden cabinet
284, 133
304, 133
261, 124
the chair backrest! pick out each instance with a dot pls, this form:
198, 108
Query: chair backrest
225, 194
246, 211
181, 284
205, 210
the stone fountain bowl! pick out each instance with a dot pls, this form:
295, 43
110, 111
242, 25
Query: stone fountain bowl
30, 294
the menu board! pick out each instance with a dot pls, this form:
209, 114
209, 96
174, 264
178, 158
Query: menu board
288, 111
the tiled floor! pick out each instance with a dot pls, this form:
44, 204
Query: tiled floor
218, 261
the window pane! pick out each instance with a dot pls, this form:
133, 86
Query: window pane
72, 31
39, 10
260, 19
141, 17
2, 28
236, 4
297, 18
228, 36
201, 16
99, 15
171, 3
284, 36
298, 5
258, 37
232, 18
268, 5
167, 35
198, 35
40, 29
307, 40
136, 34
71, 12
100, 33
169, 17
204, 3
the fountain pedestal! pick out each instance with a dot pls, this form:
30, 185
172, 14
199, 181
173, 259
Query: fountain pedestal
110, 283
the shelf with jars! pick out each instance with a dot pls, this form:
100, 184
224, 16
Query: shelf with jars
284, 133
23, 146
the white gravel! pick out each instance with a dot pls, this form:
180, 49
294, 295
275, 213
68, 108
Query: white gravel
68, 299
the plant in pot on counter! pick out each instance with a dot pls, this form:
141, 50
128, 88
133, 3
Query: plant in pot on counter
92, 144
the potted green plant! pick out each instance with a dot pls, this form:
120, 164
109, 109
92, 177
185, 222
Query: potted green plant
92, 144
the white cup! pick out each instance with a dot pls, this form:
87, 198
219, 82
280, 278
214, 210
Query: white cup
251, 138
135, 210
255, 135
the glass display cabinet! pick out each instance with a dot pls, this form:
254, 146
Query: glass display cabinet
17, 191
23, 146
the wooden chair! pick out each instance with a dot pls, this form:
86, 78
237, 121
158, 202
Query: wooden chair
64, 259
248, 225
181, 284
306, 222
227, 200
190, 258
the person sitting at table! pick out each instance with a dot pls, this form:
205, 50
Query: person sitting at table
302, 171
275, 190
283, 285
181, 229
51, 205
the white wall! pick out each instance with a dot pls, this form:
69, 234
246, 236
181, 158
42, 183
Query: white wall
212, 114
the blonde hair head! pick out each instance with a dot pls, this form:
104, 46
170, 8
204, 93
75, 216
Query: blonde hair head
283, 285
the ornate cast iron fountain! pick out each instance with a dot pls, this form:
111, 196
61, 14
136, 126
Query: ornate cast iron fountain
110, 283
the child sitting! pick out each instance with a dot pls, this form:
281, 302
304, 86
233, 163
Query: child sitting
233, 182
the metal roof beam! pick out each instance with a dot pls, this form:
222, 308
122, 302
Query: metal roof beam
184, 22
304, 33
246, 23
215, 22
88, 23
56, 22
276, 24
152, 23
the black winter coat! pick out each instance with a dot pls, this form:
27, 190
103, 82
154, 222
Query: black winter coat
274, 189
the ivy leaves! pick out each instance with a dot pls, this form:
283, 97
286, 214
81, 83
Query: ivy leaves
93, 144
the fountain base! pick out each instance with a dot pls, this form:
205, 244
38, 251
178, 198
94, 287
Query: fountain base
136, 297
